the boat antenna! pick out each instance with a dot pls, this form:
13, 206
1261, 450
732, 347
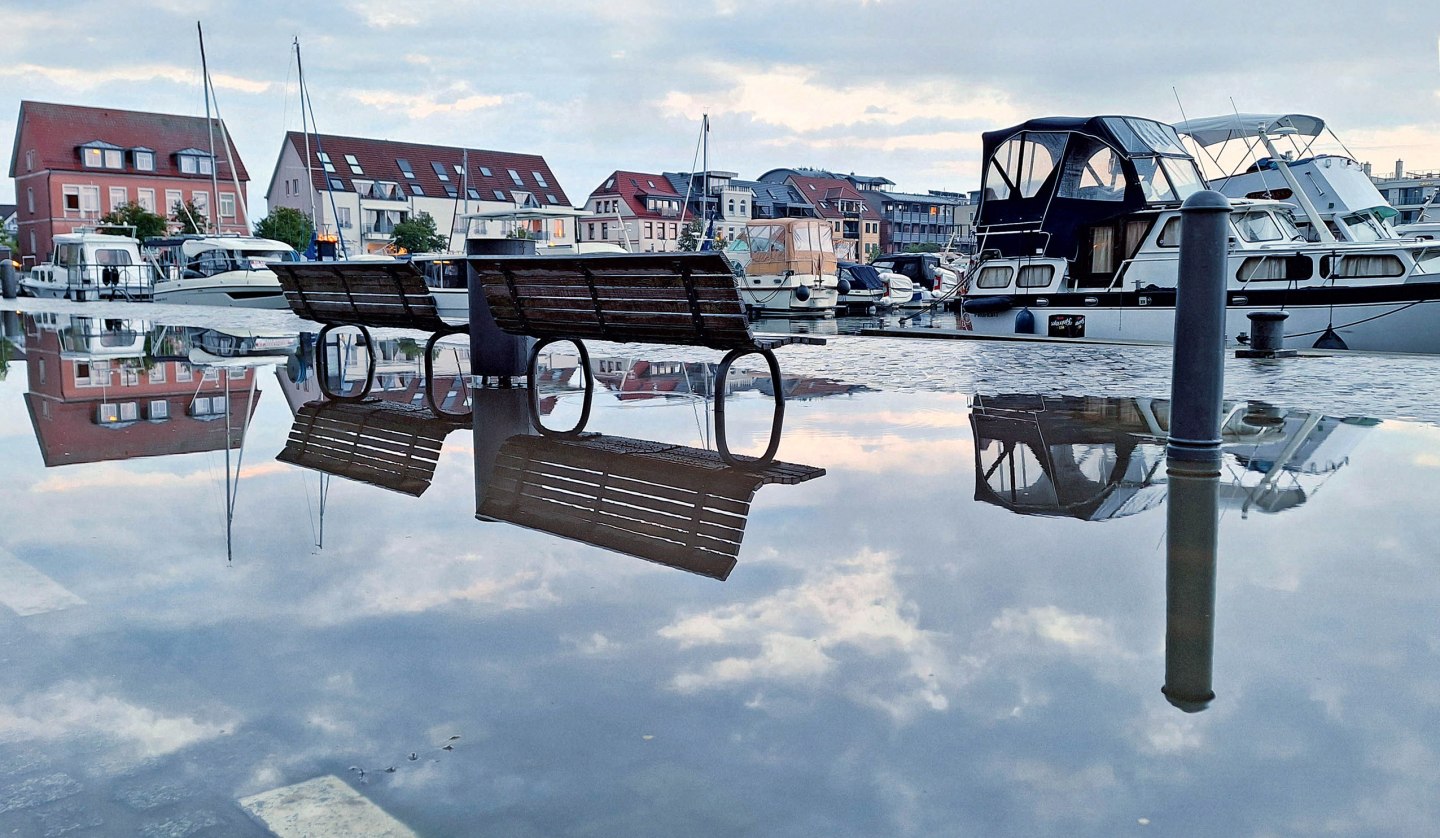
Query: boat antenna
210, 131
1183, 117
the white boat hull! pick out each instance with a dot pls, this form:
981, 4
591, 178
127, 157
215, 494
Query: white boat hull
781, 295
245, 289
1410, 325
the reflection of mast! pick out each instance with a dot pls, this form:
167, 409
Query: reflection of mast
1191, 540
232, 482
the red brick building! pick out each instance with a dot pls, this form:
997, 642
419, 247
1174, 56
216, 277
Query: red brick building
73, 164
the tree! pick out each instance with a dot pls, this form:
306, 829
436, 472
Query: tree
191, 218
690, 236
286, 224
922, 248
418, 235
146, 223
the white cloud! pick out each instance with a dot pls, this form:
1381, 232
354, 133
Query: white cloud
99, 78
418, 106
83, 709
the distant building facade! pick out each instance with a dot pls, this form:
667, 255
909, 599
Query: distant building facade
637, 210
1408, 192
839, 200
73, 164
358, 189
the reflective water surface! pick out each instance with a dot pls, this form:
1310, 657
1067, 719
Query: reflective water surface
947, 606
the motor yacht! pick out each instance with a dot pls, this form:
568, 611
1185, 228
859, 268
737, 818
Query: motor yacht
219, 270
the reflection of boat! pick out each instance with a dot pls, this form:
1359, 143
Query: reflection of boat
1079, 235
1097, 459
219, 270
88, 266
791, 270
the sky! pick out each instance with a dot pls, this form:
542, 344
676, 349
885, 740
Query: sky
898, 88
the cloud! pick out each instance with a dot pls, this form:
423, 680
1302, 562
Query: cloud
418, 106
93, 78
83, 709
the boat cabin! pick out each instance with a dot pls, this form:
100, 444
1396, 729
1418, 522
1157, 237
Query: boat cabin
188, 257
800, 246
1085, 190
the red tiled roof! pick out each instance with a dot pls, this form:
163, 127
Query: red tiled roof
634, 187
54, 131
818, 190
377, 159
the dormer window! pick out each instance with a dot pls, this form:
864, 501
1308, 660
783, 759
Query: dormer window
405, 167
143, 159
353, 164
485, 170
193, 161
99, 155
440, 171
540, 179
325, 160
515, 176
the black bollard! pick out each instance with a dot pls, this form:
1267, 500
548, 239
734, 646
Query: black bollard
1267, 336
1197, 378
493, 352
1191, 538
9, 282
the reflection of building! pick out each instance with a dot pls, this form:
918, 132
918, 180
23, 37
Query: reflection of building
118, 389
1096, 459
635, 379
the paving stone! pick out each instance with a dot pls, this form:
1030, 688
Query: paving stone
145, 797
180, 826
35, 791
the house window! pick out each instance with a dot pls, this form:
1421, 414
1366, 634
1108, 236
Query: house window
325, 159
146, 199
551, 198
91, 157
342, 216
515, 176
440, 171
472, 193
156, 374
499, 196
172, 200
30, 199
591, 235
540, 179
674, 231
649, 230
118, 195
485, 170
559, 229
183, 372
417, 189
196, 164
201, 200
227, 204
30, 160
353, 164
405, 167
144, 160
337, 184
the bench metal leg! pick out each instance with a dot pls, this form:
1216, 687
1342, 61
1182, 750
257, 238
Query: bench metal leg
530, 381
776, 422
322, 365
430, 372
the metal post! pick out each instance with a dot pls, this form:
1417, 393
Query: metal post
1191, 539
1267, 336
1198, 372
9, 283
492, 350
498, 415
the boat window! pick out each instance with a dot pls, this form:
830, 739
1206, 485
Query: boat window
1143, 135
1135, 232
1102, 250
1259, 227
1035, 276
67, 255
112, 256
1183, 176
1153, 181
994, 276
1092, 172
1170, 233
1364, 228
1355, 266
1269, 268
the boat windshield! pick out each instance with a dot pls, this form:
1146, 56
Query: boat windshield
1260, 226
1153, 181
1141, 136
1365, 227
1183, 176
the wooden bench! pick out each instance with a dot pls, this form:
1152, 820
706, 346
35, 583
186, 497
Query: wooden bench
668, 298
393, 446
361, 295
681, 507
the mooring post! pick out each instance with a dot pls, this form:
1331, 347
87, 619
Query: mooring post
1191, 539
9, 283
1197, 376
493, 352
1267, 336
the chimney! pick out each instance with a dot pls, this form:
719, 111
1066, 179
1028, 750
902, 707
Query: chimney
1367, 170
1399, 169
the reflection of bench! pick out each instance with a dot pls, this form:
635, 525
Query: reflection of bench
672, 298
364, 294
678, 506
385, 444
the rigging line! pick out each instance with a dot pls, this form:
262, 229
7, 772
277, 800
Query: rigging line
690, 186
307, 102
1250, 148
209, 132
230, 159
1357, 322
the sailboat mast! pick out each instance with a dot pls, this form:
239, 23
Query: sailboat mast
210, 131
305, 129
705, 167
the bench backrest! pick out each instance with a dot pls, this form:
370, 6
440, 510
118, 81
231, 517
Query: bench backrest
677, 298
366, 293
682, 507
384, 444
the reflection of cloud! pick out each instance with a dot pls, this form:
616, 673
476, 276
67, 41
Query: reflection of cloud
1076, 632
1059, 791
81, 709
118, 476
798, 634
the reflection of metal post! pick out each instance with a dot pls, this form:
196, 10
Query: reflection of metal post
498, 415
1198, 371
492, 350
1191, 539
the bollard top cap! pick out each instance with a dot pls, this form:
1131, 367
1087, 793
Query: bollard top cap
1206, 200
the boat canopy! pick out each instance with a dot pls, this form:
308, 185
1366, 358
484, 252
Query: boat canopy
802, 245
1210, 130
862, 277
1046, 179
